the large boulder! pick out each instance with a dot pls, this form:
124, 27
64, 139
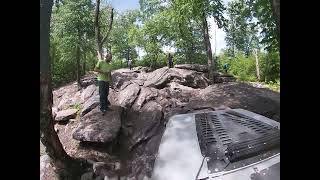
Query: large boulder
65, 92
239, 95
46, 169
54, 111
88, 92
183, 93
223, 78
158, 78
69, 99
128, 95
65, 115
90, 104
145, 95
148, 122
194, 67
88, 79
121, 76
96, 127
161, 77
189, 78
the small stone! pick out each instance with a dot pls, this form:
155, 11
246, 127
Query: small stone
117, 166
56, 129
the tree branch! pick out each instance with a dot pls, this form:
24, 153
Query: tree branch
96, 23
109, 30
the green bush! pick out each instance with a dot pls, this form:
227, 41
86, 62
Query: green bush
153, 61
118, 63
244, 68
270, 67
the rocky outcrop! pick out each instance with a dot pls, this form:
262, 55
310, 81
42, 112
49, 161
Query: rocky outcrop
88, 92
143, 101
147, 123
128, 95
90, 104
65, 115
161, 77
145, 95
46, 169
194, 67
89, 79
222, 78
96, 127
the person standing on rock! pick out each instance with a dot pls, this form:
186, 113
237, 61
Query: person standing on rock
226, 67
103, 68
170, 60
130, 64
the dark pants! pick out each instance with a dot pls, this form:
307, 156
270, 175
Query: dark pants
170, 64
103, 92
130, 66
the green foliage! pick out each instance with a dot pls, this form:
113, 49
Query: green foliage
275, 86
71, 27
240, 66
122, 46
241, 30
76, 106
244, 68
118, 63
270, 66
159, 23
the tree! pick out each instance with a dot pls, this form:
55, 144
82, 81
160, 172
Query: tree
66, 167
99, 39
257, 64
122, 46
241, 30
276, 13
72, 25
200, 10
268, 17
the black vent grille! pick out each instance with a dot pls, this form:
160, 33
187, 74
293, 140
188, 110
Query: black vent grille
253, 124
228, 136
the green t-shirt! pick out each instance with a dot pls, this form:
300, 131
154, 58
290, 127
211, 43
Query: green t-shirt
106, 68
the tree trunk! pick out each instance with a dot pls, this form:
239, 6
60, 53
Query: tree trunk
97, 29
275, 4
208, 48
78, 67
65, 166
128, 54
84, 64
99, 40
78, 56
257, 65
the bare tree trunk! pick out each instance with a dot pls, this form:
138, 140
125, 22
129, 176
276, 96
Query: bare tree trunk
65, 166
257, 65
84, 64
78, 56
208, 48
99, 40
78, 67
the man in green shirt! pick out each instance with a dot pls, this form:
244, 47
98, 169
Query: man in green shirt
103, 68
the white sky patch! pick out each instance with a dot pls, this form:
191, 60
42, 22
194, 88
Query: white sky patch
140, 52
216, 36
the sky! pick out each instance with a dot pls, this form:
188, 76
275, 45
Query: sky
123, 5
